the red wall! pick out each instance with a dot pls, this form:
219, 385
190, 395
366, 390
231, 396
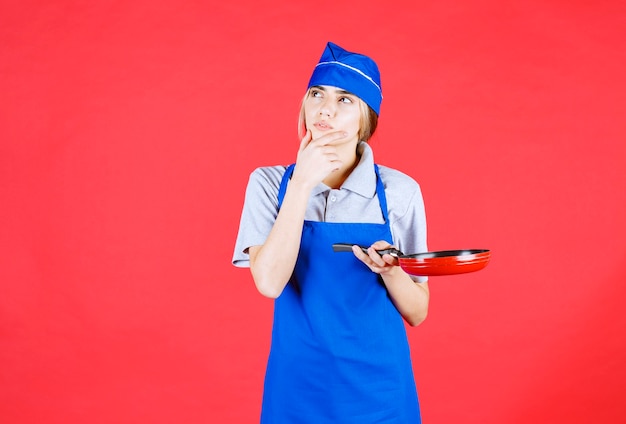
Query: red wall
127, 133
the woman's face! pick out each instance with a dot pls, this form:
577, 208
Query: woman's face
329, 109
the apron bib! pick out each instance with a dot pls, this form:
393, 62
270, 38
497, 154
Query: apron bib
339, 351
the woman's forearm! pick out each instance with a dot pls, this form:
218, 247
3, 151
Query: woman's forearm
272, 263
410, 298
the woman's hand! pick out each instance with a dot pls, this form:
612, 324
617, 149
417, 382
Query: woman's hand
383, 265
317, 158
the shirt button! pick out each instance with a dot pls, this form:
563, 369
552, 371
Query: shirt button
333, 198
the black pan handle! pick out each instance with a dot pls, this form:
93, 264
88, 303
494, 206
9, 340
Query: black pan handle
347, 247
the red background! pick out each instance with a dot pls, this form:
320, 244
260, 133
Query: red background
128, 131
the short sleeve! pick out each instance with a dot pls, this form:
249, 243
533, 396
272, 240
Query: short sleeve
412, 229
407, 214
259, 211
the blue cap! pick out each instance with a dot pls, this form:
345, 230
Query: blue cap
349, 71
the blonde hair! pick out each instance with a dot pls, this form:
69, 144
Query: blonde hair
367, 123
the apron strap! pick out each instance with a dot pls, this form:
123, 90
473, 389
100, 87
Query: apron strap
283, 184
380, 192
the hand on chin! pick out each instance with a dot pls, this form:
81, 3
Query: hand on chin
315, 134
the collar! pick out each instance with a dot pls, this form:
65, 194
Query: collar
362, 179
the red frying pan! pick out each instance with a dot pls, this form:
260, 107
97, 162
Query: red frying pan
442, 262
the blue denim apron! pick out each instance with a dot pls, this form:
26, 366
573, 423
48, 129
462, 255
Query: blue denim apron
339, 350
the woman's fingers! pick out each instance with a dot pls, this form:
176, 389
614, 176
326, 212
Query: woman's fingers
305, 140
372, 259
318, 158
377, 263
375, 257
324, 140
329, 138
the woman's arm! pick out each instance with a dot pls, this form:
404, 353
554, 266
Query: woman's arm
272, 263
410, 298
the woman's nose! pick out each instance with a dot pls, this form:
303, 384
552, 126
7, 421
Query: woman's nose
327, 108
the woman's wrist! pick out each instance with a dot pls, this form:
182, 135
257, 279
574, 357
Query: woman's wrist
300, 186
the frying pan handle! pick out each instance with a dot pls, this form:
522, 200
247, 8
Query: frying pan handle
347, 247
344, 247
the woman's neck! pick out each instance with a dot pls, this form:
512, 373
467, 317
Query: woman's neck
336, 179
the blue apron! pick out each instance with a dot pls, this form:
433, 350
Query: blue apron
339, 350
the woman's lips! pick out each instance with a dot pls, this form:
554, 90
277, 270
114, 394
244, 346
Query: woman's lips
322, 126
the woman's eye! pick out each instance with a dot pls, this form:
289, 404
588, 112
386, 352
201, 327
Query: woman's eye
316, 93
345, 100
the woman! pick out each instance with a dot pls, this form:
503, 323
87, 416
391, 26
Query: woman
339, 350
